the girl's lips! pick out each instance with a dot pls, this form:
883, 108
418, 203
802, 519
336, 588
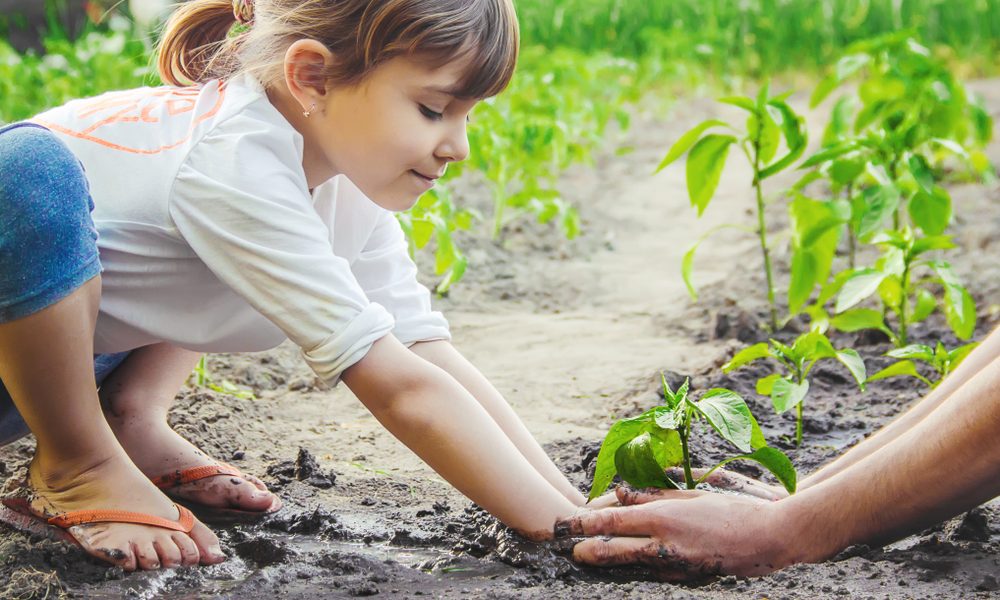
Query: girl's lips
423, 180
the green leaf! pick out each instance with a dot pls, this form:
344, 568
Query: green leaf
827, 154
727, 413
687, 140
956, 356
687, 264
960, 311
740, 101
803, 279
903, 367
855, 364
931, 242
861, 285
620, 433
793, 128
926, 303
636, 464
952, 146
769, 137
858, 319
777, 463
846, 170
931, 212
876, 204
704, 168
786, 395
917, 351
921, 171
756, 435
766, 384
747, 355
823, 89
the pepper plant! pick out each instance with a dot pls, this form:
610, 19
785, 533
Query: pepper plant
640, 449
770, 120
939, 358
905, 280
788, 389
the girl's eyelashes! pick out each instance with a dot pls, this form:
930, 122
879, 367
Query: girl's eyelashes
430, 114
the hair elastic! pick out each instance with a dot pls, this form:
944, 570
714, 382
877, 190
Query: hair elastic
243, 11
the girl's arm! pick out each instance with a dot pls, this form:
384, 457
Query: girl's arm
447, 357
429, 411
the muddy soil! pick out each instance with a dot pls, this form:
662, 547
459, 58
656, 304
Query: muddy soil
575, 335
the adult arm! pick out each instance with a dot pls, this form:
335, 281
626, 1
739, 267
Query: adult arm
880, 498
436, 417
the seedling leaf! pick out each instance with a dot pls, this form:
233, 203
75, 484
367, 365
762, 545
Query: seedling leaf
861, 284
704, 168
727, 413
687, 140
747, 355
766, 384
620, 433
777, 463
637, 464
855, 364
786, 395
903, 367
931, 211
858, 319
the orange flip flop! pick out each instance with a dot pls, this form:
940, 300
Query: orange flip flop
16, 512
211, 514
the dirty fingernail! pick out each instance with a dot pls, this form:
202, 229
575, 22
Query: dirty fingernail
561, 529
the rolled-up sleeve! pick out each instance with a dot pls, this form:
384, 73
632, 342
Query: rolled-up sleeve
388, 277
241, 201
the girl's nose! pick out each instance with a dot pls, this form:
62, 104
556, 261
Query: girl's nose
455, 147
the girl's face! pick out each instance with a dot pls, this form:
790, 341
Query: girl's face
394, 133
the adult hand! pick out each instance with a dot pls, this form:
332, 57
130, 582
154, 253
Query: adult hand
730, 480
682, 535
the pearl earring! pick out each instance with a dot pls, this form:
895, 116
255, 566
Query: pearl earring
306, 113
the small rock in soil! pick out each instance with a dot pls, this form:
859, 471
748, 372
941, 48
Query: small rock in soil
973, 527
305, 469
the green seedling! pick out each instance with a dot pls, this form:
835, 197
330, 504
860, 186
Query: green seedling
942, 360
770, 121
640, 449
789, 388
435, 216
202, 378
904, 280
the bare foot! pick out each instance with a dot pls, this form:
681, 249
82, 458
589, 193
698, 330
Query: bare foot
116, 484
159, 450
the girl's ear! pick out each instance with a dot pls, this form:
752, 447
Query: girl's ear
305, 66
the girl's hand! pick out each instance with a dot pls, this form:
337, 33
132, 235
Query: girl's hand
606, 501
728, 480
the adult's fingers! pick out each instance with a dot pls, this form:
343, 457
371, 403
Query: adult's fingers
628, 496
606, 552
609, 521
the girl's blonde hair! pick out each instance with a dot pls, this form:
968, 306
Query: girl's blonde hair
200, 43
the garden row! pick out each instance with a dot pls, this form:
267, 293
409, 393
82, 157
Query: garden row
904, 128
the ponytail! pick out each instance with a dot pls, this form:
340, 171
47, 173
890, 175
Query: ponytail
195, 41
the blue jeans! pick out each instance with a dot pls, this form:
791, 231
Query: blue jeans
48, 242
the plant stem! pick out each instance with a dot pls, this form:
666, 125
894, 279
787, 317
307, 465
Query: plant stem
798, 424
762, 231
895, 177
851, 239
904, 295
685, 432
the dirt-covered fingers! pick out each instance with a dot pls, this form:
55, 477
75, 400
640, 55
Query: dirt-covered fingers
664, 562
730, 480
628, 496
635, 520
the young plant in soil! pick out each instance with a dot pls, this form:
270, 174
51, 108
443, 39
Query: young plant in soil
789, 388
942, 360
904, 281
770, 121
640, 449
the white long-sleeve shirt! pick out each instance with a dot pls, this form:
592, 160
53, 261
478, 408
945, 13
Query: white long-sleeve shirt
210, 239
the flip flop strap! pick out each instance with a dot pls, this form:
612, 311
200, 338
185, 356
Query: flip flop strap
184, 522
183, 476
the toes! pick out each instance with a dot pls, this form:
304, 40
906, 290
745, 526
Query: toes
207, 543
168, 552
187, 548
228, 492
95, 540
257, 482
146, 556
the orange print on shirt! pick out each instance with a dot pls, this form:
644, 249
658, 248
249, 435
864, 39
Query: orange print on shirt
143, 107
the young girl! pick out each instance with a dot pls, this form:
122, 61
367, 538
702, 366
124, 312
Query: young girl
252, 206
